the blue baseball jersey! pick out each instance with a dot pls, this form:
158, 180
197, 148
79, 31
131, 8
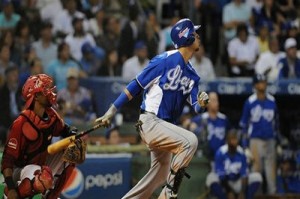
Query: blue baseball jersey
230, 166
216, 129
259, 117
168, 82
289, 184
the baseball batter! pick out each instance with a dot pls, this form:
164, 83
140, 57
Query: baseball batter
167, 83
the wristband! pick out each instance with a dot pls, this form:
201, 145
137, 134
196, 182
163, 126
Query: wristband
10, 183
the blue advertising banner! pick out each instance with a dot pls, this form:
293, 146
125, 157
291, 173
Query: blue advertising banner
101, 176
106, 90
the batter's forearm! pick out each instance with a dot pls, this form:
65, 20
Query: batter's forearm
132, 90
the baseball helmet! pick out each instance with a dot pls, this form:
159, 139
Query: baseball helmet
182, 33
40, 83
259, 78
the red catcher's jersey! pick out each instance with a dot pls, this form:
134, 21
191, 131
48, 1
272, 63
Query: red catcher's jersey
29, 138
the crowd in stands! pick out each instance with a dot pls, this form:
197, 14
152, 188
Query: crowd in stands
73, 39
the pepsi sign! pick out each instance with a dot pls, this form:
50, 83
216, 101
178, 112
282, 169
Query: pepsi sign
105, 176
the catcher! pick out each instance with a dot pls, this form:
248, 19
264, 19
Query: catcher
26, 166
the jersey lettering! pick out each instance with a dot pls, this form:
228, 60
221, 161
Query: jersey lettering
175, 79
232, 167
257, 112
218, 132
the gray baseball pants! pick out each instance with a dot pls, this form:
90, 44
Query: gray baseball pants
163, 139
264, 155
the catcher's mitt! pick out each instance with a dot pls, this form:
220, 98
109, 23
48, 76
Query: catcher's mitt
75, 153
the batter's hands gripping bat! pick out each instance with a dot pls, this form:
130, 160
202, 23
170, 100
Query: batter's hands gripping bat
64, 143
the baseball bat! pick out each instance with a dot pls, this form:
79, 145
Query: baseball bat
64, 143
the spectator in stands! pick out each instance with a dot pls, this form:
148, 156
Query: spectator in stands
211, 18
35, 67
91, 60
28, 56
267, 62
290, 65
78, 38
110, 39
7, 39
111, 66
78, 109
91, 7
259, 125
294, 32
231, 178
113, 137
130, 34
263, 37
23, 40
152, 35
8, 18
165, 40
270, 13
63, 21
137, 63
243, 51
254, 4
11, 101
203, 65
288, 9
4, 62
46, 8
96, 23
211, 127
45, 48
58, 68
235, 13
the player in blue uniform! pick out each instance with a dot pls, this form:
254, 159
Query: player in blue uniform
213, 126
231, 178
167, 83
259, 123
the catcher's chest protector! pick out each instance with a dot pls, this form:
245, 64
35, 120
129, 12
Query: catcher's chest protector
39, 134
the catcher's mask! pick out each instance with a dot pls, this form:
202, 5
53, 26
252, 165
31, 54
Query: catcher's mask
40, 83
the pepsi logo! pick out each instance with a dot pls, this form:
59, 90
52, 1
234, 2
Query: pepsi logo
74, 185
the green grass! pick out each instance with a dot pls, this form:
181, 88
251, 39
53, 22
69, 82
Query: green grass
1, 193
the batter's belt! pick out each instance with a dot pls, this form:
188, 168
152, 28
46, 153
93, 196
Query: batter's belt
142, 111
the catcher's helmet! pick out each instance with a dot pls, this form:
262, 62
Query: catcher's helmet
182, 33
38, 83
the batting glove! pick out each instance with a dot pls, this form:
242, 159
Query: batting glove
107, 117
203, 99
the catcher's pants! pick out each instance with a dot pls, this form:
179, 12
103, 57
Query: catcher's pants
163, 139
264, 156
54, 162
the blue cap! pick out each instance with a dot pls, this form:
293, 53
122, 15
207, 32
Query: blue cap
87, 48
259, 78
139, 45
182, 33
